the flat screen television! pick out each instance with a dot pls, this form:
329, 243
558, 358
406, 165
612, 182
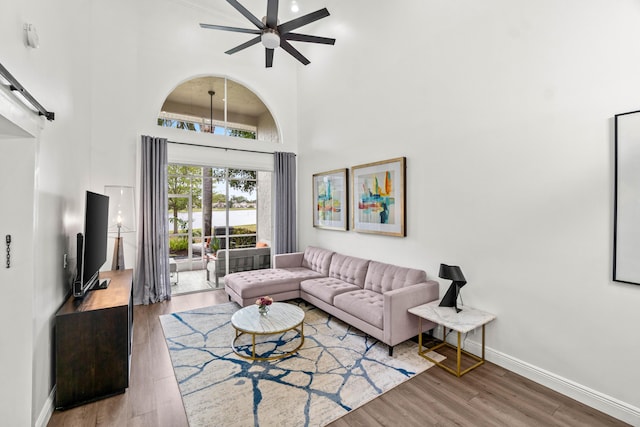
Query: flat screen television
92, 245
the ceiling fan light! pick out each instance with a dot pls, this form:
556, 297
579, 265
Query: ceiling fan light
270, 39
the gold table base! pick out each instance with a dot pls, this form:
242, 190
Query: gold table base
240, 332
457, 371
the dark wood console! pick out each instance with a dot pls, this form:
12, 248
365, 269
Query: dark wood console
93, 342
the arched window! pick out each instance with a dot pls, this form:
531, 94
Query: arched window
219, 106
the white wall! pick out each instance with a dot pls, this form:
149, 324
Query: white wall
504, 111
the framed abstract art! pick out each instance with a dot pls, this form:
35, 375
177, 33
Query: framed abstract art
330, 199
378, 197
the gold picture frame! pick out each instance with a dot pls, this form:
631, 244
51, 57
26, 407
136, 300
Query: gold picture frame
378, 197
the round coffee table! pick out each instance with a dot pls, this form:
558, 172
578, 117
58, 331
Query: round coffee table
282, 317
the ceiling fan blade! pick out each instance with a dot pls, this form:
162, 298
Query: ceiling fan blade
306, 38
272, 13
243, 46
234, 29
250, 16
293, 52
269, 53
303, 20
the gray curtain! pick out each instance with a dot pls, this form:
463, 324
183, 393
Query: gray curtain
152, 283
284, 172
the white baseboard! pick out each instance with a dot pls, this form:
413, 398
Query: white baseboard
602, 402
47, 410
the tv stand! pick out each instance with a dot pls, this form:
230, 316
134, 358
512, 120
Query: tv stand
93, 342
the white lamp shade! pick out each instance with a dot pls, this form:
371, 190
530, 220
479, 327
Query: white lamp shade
122, 210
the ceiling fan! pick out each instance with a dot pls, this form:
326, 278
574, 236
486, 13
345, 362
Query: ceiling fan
272, 34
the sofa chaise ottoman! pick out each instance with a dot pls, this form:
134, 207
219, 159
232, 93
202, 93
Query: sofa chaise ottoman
371, 296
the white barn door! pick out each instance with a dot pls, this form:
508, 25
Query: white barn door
17, 174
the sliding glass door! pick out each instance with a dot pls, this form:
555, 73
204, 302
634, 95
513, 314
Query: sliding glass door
184, 189
214, 209
234, 208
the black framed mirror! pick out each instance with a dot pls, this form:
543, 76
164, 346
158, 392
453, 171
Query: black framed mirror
626, 219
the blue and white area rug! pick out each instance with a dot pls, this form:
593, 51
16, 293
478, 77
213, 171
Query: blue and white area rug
338, 369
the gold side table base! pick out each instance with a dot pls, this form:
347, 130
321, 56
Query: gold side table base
240, 332
459, 351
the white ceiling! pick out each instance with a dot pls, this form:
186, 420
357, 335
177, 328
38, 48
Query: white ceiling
230, 16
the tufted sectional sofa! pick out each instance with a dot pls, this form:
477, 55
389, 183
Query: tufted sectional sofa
369, 295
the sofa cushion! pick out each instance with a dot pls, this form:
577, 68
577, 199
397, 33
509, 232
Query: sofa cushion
383, 277
326, 288
302, 273
256, 283
349, 269
317, 259
364, 304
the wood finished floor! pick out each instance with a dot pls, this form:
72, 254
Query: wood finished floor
487, 396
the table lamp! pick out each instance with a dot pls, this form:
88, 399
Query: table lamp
121, 219
452, 272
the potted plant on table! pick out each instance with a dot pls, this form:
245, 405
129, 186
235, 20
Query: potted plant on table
214, 245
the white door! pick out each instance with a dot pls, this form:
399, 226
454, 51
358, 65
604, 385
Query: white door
17, 171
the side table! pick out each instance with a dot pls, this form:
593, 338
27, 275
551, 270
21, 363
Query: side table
465, 321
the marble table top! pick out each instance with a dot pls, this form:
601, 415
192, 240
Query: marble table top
467, 320
281, 317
